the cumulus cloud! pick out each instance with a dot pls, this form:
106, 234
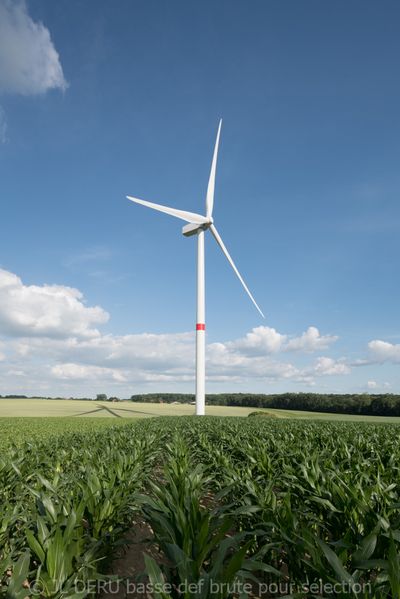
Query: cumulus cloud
382, 351
168, 351
253, 355
29, 62
266, 340
82, 372
311, 340
227, 359
148, 358
329, 366
260, 340
374, 385
50, 337
47, 310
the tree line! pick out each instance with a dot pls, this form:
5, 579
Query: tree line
365, 404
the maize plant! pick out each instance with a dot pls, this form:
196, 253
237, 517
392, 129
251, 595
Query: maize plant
202, 555
266, 501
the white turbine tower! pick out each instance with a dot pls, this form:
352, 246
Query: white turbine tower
198, 224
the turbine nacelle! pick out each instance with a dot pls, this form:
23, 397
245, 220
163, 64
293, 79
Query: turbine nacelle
193, 228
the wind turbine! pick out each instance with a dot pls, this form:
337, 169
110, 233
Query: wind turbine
198, 225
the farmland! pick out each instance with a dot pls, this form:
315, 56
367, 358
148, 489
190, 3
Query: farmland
227, 501
95, 409
72, 409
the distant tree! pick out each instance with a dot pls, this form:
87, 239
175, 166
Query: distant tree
101, 397
114, 399
381, 404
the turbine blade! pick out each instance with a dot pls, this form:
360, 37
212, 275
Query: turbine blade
211, 181
189, 217
231, 262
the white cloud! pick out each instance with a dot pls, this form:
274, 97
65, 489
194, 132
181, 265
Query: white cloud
376, 386
81, 372
47, 310
382, 351
172, 351
260, 340
329, 366
226, 359
266, 340
310, 341
29, 62
52, 343
250, 356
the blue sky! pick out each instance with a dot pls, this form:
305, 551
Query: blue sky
98, 295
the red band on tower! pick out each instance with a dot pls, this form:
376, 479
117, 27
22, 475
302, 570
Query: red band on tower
200, 327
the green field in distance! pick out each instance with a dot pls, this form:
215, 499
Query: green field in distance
16, 407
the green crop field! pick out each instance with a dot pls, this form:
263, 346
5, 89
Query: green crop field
15, 407
22, 430
230, 506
